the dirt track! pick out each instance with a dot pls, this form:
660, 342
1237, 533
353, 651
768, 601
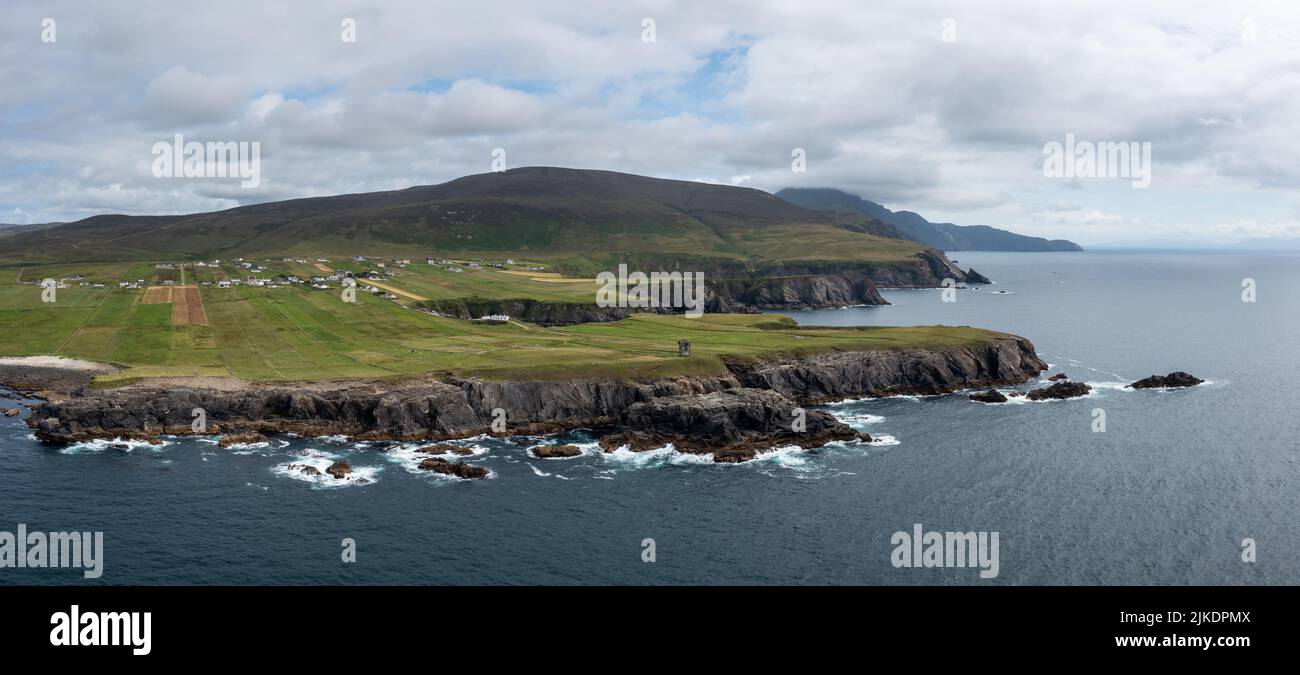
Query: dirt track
391, 289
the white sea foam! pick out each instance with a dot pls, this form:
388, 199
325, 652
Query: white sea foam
789, 456
665, 456
361, 475
405, 455
858, 421
543, 474
247, 448
100, 445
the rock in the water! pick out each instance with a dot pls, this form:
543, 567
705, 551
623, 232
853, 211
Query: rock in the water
732, 425
973, 277
305, 469
236, 439
1058, 377
458, 469
11, 412
339, 469
556, 451
1060, 390
1174, 379
440, 449
734, 454
990, 396
636, 441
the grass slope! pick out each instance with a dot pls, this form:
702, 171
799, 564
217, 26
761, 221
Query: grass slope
295, 333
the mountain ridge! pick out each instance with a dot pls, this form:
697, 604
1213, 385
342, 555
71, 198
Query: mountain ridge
943, 236
577, 219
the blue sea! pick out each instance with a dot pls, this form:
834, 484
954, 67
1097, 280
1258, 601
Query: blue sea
1167, 494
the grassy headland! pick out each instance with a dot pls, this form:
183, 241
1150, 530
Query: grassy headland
292, 332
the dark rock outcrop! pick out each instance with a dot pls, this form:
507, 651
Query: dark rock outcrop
444, 449
636, 441
1060, 390
973, 277
792, 292
241, 439
743, 286
339, 469
555, 451
831, 376
304, 469
458, 469
540, 312
734, 425
989, 396
1174, 379
1058, 377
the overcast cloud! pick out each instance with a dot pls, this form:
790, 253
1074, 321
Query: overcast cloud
882, 104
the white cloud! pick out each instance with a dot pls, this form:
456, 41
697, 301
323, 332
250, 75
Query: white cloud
180, 97
883, 106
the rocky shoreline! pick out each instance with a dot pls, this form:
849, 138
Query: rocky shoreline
754, 407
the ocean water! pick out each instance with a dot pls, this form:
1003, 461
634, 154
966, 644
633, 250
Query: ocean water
1165, 495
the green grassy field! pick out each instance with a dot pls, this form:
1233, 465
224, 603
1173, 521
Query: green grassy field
295, 333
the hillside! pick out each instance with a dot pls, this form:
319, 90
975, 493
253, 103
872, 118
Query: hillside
943, 236
551, 213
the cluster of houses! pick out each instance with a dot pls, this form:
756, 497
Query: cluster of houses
383, 271
74, 278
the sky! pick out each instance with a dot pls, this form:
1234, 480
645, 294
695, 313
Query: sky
943, 108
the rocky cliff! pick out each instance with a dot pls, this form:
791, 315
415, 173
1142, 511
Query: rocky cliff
742, 406
793, 292
540, 312
837, 375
